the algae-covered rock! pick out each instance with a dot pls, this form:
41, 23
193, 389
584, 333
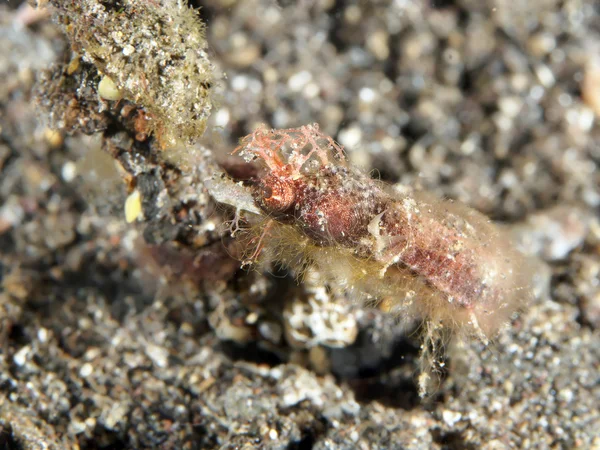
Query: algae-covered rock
154, 52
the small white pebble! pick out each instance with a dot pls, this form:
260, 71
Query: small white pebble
117, 414
366, 95
350, 137
566, 395
510, 106
86, 370
42, 335
451, 417
128, 50
20, 358
77, 427
586, 119
158, 355
311, 90
545, 75
503, 123
91, 353
69, 171
565, 100
300, 79
537, 92
239, 83
222, 117
210, 226
252, 318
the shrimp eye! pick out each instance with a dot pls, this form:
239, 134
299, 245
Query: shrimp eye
275, 194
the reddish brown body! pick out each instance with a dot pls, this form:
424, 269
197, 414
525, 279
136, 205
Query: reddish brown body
440, 260
439, 254
335, 207
330, 207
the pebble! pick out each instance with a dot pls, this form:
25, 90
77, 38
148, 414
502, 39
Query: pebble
108, 90
133, 207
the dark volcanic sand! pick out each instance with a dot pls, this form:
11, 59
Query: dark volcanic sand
144, 335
